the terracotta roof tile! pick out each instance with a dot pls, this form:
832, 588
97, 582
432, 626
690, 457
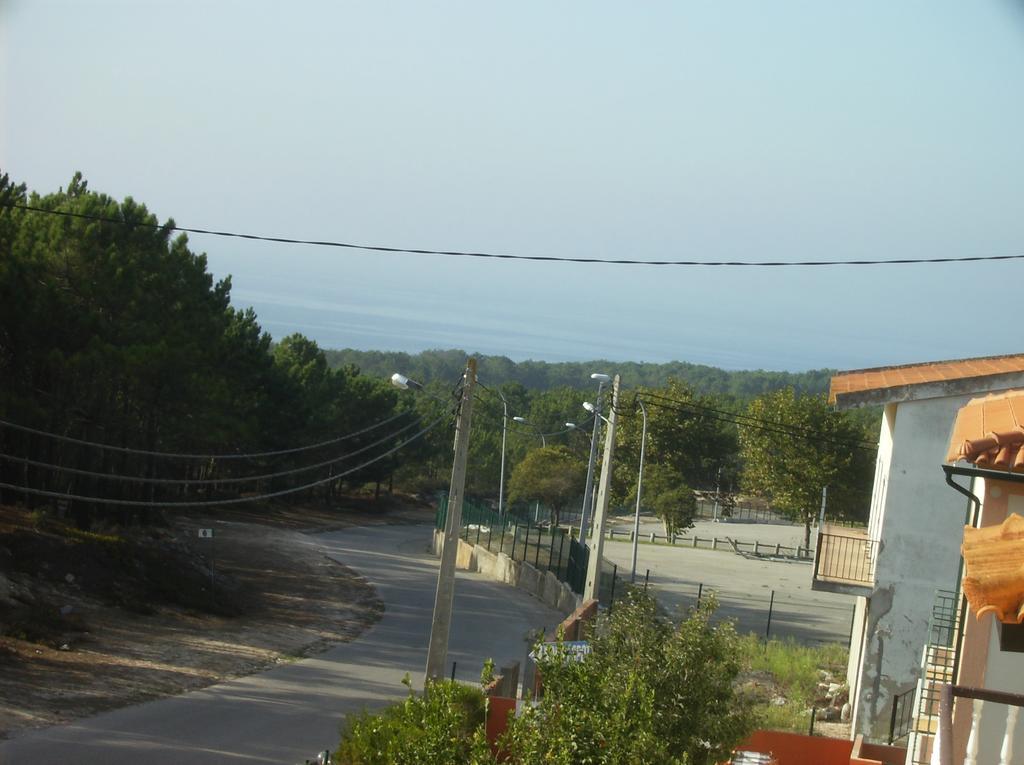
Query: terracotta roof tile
859, 380
994, 569
989, 432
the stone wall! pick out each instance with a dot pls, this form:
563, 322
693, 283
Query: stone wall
543, 585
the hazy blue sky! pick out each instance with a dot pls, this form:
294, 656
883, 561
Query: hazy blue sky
658, 130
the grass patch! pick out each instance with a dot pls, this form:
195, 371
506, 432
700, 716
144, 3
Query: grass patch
787, 670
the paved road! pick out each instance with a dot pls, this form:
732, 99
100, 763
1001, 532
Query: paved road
289, 713
744, 585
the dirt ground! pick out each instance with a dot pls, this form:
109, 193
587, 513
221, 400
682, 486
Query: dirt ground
276, 598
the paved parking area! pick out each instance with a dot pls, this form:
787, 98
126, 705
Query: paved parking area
744, 584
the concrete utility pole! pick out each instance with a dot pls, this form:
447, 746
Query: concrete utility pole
593, 585
437, 652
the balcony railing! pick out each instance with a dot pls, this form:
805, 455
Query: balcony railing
845, 558
942, 753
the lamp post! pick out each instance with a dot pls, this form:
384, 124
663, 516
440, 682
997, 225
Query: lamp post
440, 627
588, 487
504, 432
639, 490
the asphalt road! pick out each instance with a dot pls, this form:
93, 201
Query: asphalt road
289, 713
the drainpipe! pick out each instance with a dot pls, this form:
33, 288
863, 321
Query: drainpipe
973, 498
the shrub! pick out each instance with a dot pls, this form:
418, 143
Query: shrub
647, 693
445, 726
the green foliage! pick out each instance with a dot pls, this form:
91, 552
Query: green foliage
648, 693
444, 726
552, 475
542, 375
813, 447
116, 332
671, 500
693, 446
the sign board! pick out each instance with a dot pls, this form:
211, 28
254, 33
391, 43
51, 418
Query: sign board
575, 650
206, 533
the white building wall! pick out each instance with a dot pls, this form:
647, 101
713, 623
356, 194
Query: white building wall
920, 525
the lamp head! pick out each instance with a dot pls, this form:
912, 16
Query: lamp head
401, 381
520, 420
600, 377
589, 407
571, 425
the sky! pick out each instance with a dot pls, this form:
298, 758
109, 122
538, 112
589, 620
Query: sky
676, 130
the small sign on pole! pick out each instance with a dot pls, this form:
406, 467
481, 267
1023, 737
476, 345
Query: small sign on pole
206, 533
574, 650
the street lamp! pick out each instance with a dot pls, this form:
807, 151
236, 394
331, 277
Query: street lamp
639, 490
596, 410
440, 627
504, 432
401, 381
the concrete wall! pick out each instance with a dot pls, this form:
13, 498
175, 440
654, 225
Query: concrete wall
543, 585
919, 522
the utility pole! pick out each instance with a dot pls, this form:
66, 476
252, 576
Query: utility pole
437, 652
593, 585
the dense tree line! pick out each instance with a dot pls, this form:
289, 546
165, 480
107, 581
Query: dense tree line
542, 375
116, 333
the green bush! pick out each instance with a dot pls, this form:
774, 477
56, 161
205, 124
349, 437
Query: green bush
648, 693
442, 727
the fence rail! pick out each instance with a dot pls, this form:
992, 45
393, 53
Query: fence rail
715, 543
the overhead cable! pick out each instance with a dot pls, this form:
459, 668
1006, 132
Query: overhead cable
177, 455
231, 501
203, 481
507, 256
808, 435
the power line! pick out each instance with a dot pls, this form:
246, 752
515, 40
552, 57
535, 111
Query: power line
755, 420
808, 435
233, 500
507, 256
176, 455
203, 481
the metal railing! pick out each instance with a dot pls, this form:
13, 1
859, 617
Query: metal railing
902, 719
944, 744
546, 548
939, 663
845, 559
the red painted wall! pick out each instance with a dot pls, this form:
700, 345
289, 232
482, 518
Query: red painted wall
795, 749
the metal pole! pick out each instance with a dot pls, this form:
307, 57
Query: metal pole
590, 590
768, 628
584, 517
639, 491
504, 432
718, 486
437, 650
611, 597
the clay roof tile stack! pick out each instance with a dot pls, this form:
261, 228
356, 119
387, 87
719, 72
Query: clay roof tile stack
994, 570
989, 432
